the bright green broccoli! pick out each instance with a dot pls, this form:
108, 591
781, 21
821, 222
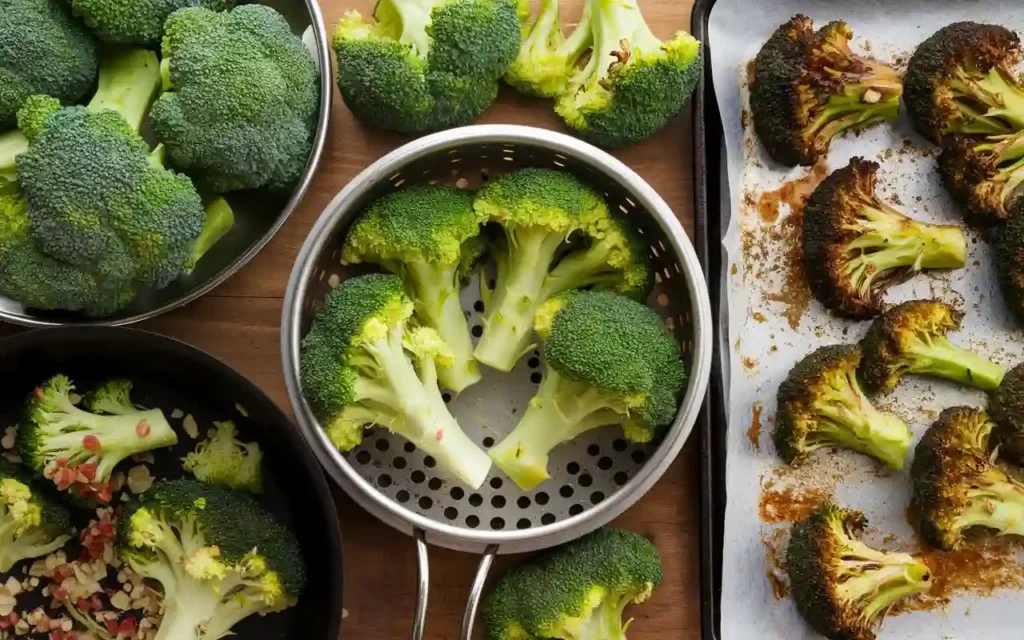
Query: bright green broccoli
139, 22
225, 460
112, 397
32, 523
363, 366
218, 555
547, 59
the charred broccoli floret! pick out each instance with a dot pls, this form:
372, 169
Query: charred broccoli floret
1008, 247
984, 175
1006, 406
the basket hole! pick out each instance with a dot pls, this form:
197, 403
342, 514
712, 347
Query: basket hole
384, 481
398, 463
477, 331
621, 478
435, 484
472, 522
536, 377
478, 306
523, 502
476, 500
596, 497
497, 523
533, 362
573, 468
654, 252
575, 510
594, 450
523, 523
619, 445
498, 502
604, 464
457, 493
585, 480
399, 183
566, 491
639, 456
429, 462
381, 444
363, 457
402, 496
547, 518
409, 447
541, 498
496, 483
451, 513
447, 397
623, 208
558, 164
488, 442
418, 476
425, 502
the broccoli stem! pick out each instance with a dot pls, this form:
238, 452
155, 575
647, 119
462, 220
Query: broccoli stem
12, 144
604, 622
900, 575
853, 422
31, 544
191, 604
848, 112
118, 437
407, 22
940, 357
580, 269
997, 91
129, 81
220, 218
998, 505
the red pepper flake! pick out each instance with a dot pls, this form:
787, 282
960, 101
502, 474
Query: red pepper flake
439, 434
4, 624
38, 392
59, 593
91, 443
64, 478
143, 429
88, 470
62, 572
83, 604
60, 634
62, 462
14, 618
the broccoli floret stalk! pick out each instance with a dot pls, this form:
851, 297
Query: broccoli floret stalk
910, 338
1006, 405
855, 246
32, 524
578, 591
984, 175
842, 587
225, 460
362, 365
546, 57
821, 405
808, 87
218, 220
610, 361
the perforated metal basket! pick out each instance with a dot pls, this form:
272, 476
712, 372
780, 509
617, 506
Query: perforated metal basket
596, 477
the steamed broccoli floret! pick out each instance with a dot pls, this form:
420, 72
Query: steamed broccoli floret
1006, 405
610, 361
821, 405
32, 523
241, 100
984, 174
135, 21
77, 449
113, 397
362, 365
855, 246
425, 65
842, 587
547, 59
808, 87
578, 591
218, 555
910, 338
225, 460
424, 234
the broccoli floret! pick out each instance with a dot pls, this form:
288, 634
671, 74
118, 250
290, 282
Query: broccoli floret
44, 51
610, 361
808, 87
138, 22
842, 587
363, 366
242, 96
962, 80
225, 460
1008, 247
821, 405
113, 397
578, 591
32, 523
1006, 406
910, 338
218, 220
218, 555
547, 59
77, 449
420, 233
855, 246
983, 174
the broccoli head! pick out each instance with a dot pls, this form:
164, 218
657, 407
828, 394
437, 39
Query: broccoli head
983, 174
910, 338
1006, 405
112, 397
32, 523
578, 591
225, 460
610, 361
139, 22
842, 587
218, 555
1008, 247
855, 246
546, 58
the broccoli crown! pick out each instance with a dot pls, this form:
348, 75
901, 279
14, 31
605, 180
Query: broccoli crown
44, 51
1008, 246
574, 592
112, 397
32, 522
809, 87
535, 197
1006, 405
983, 174
961, 80
843, 587
138, 22
855, 246
225, 460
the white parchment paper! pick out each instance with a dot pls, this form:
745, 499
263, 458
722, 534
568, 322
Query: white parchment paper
763, 343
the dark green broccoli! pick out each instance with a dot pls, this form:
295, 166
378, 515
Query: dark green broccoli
225, 460
578, 591
855, 246
218, 555
547, 59
1006, 406
910, 338
138, 22
32, 523
1008, 247
610, 361
983, 174
842, 587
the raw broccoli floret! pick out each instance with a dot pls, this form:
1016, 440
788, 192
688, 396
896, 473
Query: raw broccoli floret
425, 235
43, 50
983, 174
578, 591
1008, 249
32, 523
610, 361
138, 22
808, 87
842, 587
855, 246
218, 555
225, 460
910, 338
112, 397
633, 83
425, 65
219, 219
241, 98
821, 405
547, 59
362, 365
77, 449
1006, 406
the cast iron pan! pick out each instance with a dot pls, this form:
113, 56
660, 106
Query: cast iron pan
173, 375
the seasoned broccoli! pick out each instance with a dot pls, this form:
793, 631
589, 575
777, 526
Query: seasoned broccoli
32, 523
1008, 247
578, 591
241, 98
1006, 405
77, 449
961, 80
842, 587
225, 460
808, 87
956, 485
546, 58
138, 22
855, 246
218, 555
610, 361
911, 338
113, 397
363, 366
984, 174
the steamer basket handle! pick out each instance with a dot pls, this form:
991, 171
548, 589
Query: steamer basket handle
477, 591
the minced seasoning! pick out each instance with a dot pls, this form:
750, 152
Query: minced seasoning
789, 504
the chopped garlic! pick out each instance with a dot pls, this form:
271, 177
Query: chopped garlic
177, 414
139, 479
190, 426
10, 437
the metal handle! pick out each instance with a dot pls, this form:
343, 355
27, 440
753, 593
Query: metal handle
478, 589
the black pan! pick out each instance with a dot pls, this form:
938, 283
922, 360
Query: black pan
173, 375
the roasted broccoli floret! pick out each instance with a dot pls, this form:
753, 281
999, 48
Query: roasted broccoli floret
138, 22
218, 555
32, 523
546, 58
855, 246
962, 80
578, 591
362, 365
808, 87
910, 338
821, 405
610, 361
1006, 406
225, 460
842, 587
77, 449
984, 174
1008, 247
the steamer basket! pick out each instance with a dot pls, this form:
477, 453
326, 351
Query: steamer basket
595, 478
